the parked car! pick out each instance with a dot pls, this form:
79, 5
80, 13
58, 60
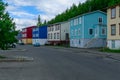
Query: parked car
13, 45
36, 44
21, 43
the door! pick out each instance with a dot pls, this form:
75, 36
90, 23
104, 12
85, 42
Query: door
113, 44
96, 32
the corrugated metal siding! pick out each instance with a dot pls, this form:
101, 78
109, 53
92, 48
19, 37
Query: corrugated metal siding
43, 32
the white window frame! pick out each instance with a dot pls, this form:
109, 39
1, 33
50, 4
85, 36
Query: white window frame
99, 20
79, 32
113, 12
102, 31
89, 31
80, 20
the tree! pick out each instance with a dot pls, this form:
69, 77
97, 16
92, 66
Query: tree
87, 6
45, 22
39, 23
7, 28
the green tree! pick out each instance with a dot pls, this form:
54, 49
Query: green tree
45, 22
7, 28
39, 23
87, 6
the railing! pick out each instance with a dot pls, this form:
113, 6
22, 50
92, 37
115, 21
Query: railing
90, 42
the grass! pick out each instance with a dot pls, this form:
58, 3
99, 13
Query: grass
2, 57
110, 50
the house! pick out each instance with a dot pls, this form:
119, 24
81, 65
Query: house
19, 37
27, 35
58, 33
113, 23
39, 35
88, 30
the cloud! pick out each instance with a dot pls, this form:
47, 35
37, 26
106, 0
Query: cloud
22, 23
47, 9
23, 14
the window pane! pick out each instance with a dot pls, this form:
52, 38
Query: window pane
100, 20
80, 20
90, 31
103, 31
113, 29
119, 29
113, 12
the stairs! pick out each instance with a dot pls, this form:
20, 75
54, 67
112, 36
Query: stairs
90, 42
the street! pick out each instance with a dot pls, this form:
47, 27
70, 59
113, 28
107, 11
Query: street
56, 63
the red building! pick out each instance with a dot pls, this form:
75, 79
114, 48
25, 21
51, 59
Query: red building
27, 35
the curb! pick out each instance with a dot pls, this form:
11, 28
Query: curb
17, 59
107, 55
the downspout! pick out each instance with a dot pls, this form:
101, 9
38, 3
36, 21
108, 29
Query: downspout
60, 33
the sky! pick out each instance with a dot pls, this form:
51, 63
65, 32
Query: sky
25, 12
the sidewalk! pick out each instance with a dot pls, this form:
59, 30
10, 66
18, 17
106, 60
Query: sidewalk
10, 57
115, 56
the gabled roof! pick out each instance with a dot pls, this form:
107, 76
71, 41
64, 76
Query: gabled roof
89, 14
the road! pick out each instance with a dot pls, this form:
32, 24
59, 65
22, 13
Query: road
55, 63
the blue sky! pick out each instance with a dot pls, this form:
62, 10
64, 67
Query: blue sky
25, 12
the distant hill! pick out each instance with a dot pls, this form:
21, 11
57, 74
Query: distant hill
87, 6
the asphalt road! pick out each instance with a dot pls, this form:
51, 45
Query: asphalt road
54, 63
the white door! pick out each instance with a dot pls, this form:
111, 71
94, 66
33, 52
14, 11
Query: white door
96, 32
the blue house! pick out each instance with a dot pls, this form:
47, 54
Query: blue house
39, 35
88, 30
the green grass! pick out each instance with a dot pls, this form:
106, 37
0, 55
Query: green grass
110, 50
2, 57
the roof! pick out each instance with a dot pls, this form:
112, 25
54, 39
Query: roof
58, 23
29, 27
113, 6
89, 13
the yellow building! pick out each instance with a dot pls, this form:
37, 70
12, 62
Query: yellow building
24, 41
113, 30
27, 41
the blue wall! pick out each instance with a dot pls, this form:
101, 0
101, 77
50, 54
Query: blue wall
40, 32
43, 32
91, 22
88, 21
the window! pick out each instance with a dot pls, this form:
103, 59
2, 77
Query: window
48, 36
33, 35
100, 20
80, 20
58, 36
78, 31
119, 28
90, 31
113, 44
75, 32
72, 32
51, 35
74, 22
119, 11
103, 31
54, 35
113, 13
79, 41
71, 22
49, 28
113, 29
52, 28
